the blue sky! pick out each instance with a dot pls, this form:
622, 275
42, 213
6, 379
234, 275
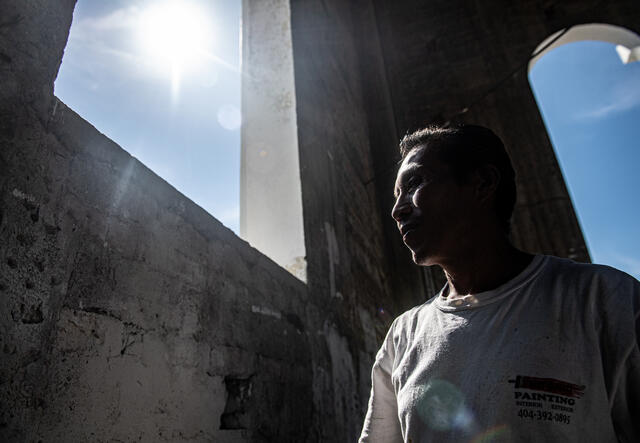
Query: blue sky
178, 110
186, 131
590, 102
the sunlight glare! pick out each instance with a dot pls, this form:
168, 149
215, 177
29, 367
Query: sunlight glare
175, 35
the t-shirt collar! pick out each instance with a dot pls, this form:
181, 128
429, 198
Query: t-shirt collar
472, 301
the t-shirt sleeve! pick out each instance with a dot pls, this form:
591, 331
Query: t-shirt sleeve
381, 424
621, 358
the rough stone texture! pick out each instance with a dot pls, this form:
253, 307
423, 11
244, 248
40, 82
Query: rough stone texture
128, 313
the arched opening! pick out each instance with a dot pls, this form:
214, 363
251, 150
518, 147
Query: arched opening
588, 91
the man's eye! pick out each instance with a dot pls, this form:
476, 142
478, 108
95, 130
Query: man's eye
413, 183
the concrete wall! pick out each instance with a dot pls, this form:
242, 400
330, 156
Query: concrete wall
127, 312
347, 267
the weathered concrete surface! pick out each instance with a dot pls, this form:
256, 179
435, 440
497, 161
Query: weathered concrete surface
347, 265
126, 311
270, 197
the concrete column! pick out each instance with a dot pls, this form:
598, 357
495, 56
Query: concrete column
270, 191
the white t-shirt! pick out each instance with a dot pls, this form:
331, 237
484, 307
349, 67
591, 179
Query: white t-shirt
551, 355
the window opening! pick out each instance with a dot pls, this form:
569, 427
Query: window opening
588, 91
162, 79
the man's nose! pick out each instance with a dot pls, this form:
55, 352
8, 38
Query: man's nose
401, 209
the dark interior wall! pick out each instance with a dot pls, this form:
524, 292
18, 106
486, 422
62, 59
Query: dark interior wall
349, 268
22, 56
340, 196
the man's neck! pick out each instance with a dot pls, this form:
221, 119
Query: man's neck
484, 267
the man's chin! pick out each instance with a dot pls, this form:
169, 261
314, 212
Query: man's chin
418, 258
422, 258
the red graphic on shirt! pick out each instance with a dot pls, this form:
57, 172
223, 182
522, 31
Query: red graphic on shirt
551, 385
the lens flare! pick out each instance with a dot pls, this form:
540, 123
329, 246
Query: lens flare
495, 434
442, 406
229, 117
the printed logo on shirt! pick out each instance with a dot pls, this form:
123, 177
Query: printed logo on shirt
545, 399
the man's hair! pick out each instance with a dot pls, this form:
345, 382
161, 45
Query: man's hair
465, 149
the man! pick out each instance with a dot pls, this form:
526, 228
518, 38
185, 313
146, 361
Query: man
515, 347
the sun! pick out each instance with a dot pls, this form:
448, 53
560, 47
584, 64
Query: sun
175, 34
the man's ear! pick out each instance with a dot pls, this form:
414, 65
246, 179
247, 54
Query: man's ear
487, 178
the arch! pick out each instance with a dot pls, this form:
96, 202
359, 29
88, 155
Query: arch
627, 42
589, 103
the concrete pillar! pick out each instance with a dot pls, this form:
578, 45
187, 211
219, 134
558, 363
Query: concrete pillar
270, 190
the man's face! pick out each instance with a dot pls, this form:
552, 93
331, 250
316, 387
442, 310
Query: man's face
433, 211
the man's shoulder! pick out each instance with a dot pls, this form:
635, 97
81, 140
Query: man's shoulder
592, 271
408, 318
596, 281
